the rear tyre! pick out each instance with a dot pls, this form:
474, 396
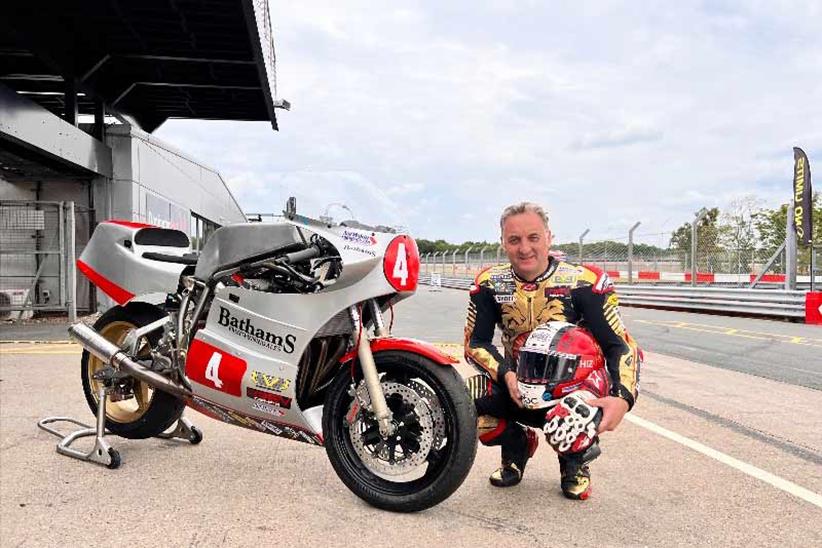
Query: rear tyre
147, 412
433, 448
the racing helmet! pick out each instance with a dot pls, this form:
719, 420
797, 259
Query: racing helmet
554, 360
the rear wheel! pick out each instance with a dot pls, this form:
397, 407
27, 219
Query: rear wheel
142, 412
432, 448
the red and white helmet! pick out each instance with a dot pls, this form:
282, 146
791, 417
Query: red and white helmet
555, 360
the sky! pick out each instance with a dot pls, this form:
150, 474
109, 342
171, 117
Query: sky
436, 115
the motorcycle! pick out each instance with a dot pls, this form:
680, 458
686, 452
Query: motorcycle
278, 328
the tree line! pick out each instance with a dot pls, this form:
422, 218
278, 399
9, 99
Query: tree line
744, 225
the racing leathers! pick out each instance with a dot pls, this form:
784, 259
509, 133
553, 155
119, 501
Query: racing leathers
581, 295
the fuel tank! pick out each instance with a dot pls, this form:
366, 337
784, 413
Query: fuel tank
117, 261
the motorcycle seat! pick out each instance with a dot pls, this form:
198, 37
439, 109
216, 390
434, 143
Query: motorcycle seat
187, 259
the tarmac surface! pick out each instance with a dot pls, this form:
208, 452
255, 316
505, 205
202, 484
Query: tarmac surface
722, 448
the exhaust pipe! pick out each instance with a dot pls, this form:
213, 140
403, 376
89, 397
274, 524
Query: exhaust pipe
110, 353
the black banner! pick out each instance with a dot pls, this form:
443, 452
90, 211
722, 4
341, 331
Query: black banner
802, 199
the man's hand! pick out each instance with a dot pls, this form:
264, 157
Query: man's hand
513, 387
613, 409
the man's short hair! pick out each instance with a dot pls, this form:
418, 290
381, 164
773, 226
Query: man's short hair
523, 207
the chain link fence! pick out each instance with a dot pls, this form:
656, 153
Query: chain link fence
39, 244
728, 249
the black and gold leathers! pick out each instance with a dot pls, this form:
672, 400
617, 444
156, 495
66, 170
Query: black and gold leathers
577, 294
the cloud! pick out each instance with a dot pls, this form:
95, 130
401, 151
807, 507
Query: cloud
439, 114
618, 138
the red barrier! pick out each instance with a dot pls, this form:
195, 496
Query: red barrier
770, 278
647, 275
701, 277
813, 307
613, 273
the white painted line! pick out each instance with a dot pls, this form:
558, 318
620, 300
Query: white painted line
758, 473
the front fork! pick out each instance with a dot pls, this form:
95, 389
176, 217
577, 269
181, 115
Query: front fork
369, 368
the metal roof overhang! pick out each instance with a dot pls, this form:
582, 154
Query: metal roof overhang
151, 60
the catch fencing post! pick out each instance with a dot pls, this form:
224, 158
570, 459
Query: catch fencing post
699, 215
631, 253
467, 251
581, 238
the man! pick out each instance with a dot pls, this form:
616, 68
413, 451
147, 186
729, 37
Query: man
533, 289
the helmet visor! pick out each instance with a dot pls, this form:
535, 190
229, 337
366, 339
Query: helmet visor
550, 368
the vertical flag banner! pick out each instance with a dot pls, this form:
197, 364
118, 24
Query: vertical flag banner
803, 209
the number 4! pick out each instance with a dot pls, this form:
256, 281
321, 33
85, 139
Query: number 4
401, 266
212, 371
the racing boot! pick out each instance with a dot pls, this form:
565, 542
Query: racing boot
521, 446
575, 476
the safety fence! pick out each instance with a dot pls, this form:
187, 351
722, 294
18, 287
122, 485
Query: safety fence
753, 302
39, 244
721, 267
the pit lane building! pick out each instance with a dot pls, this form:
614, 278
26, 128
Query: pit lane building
83, 84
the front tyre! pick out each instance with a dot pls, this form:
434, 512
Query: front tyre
140, 411
434, 444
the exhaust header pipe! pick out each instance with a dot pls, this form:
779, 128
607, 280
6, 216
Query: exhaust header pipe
110, 353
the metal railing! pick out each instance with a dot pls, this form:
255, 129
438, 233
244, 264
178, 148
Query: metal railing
39, 244
755, 302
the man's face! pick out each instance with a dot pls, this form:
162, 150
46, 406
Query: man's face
526, 242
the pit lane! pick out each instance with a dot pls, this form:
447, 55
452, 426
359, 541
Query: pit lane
242, 488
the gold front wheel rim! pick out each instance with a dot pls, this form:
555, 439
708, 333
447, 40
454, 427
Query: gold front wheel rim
133, 408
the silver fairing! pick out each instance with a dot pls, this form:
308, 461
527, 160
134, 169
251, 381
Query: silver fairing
268, 332
115, 256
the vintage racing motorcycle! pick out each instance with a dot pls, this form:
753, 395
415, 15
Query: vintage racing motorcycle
278, 328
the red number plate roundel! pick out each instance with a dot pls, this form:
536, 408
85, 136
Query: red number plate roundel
402, 263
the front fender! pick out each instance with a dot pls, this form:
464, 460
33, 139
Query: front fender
413, 346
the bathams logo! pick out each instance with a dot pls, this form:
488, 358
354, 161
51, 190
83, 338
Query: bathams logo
244, 328
359, 238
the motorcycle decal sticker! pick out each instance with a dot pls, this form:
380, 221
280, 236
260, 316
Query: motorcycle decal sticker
270, 382
255, 394
261, 425
359, 238
358, 249
214, 368
244, 328
268, 408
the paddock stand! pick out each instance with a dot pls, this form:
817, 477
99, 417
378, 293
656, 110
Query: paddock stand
102, 452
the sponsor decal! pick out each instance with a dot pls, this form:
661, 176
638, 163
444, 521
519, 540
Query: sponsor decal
557, 292
504, 287
270, 382
232, 417
529, 286
282, 401
564, 280
603, 284
571, 388
359, 249
504, 298
244, 328
359, 238
268, 408
291, 432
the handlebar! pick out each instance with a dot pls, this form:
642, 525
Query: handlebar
298, 256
